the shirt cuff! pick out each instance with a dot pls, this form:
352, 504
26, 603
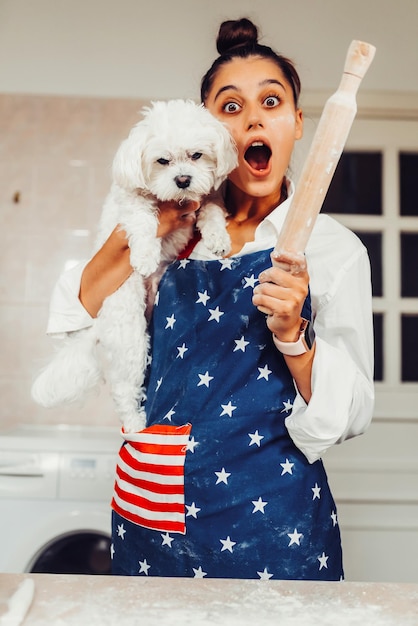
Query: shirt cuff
316, 426
66, 313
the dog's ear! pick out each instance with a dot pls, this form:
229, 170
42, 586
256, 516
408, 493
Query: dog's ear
225, 150
127, 164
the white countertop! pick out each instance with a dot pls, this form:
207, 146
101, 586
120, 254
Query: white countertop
64, 600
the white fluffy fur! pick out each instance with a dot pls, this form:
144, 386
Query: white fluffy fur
192, 144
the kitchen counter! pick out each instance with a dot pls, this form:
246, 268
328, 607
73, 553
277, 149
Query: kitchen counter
64, 600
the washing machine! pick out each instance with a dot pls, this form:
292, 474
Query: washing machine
55, 490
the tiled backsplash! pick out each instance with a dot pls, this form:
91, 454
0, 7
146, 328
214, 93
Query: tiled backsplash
55, 159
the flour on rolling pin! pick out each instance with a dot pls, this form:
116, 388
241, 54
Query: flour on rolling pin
19, 604
324, 154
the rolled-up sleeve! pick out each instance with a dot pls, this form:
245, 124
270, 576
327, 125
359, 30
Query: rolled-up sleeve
342, 401
66, 313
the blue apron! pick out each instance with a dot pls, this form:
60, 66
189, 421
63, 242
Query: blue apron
242, 500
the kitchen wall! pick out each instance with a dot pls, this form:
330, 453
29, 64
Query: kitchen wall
55, 157
133, 48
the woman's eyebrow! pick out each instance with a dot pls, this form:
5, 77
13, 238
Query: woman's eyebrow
272, 81
225, 88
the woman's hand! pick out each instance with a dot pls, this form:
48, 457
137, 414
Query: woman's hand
173, 216
281, 293
110, 266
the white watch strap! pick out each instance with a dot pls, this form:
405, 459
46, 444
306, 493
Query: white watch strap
290, 348
302, 345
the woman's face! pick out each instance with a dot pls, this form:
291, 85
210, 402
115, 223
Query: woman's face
256, 102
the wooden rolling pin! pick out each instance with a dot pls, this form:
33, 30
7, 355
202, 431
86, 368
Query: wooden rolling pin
324, 154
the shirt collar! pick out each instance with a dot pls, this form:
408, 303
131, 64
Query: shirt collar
276, 218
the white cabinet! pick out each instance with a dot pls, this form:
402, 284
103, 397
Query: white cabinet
374, 479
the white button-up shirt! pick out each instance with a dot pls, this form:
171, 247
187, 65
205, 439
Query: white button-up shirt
341, 405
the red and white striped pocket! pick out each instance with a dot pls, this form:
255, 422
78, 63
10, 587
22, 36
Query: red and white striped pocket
149, 485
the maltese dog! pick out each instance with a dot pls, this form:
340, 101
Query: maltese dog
179, 152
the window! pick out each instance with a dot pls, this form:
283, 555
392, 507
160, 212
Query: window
373, 192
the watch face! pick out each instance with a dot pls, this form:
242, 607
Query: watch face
309, 335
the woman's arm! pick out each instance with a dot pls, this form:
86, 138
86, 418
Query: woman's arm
110, 266
105, 272
80, 292
342, 400
335, 396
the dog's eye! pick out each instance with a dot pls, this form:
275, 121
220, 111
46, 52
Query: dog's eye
196, 156
163, 161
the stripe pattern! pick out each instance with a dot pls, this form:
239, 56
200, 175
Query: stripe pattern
149, 485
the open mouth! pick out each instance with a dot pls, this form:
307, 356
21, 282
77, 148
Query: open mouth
258, 155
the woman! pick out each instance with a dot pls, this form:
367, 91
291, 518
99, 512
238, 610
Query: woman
226, 480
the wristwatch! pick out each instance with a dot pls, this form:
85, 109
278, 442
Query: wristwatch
302, 345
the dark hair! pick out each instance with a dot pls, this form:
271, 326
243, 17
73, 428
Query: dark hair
239, 39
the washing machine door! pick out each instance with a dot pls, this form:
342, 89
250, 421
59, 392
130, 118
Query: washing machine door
82, 552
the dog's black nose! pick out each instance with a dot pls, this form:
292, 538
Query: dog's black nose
183, 181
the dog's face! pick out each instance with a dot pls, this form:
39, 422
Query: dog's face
178, 151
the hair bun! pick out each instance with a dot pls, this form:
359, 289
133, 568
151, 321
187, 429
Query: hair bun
235, 33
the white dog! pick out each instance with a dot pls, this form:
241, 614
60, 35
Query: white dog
180, 152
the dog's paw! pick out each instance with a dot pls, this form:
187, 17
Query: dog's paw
134, 422
145, 265
217, 242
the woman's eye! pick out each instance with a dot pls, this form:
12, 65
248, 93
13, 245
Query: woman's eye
272, 101
231, 107
163, 161
196, 156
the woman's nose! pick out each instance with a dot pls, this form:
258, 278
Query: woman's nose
254, 119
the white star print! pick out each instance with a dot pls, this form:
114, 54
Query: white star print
183, 263
222, 476
334, 518
192, 510
287, 467
259, 505
191, 444
144, 567
255, 438
112, 551
228, 409
215, 314
226, 264
250, 281
264, 372
121, 531
241, 343
294, 537
169, 415
264, 575
204, 379
287, 406
316, 492
227, 544
323, 561
170, 321
203, 297
199, 573
159, 381
182, 349
167, 540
